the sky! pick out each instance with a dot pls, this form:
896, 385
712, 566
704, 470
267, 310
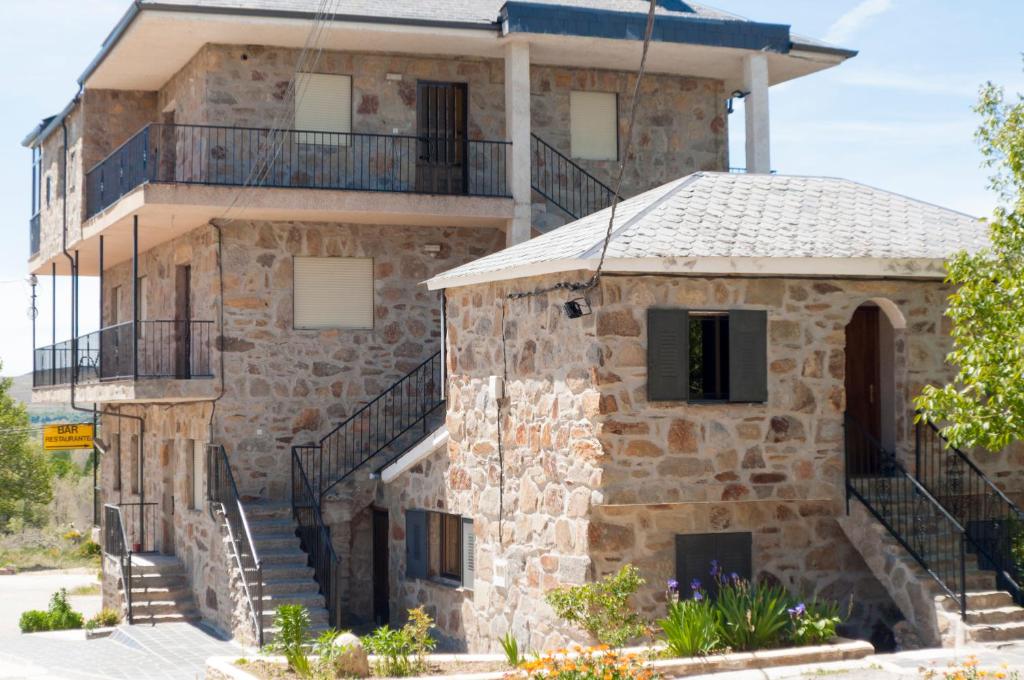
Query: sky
898, 116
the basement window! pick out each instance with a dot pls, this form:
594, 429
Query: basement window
440, 547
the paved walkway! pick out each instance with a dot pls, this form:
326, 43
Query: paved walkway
32, 590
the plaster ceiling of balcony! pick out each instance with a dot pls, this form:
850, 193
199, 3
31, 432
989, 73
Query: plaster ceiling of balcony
158, 44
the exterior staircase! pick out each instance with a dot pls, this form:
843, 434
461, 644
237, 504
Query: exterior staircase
160, 591
564, 184
937, 540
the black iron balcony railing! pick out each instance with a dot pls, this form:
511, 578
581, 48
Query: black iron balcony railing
235, 156
33, 235
148, 349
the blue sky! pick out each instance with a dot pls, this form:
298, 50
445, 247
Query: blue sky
897, 116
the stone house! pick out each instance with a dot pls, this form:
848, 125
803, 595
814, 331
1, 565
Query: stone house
259, 188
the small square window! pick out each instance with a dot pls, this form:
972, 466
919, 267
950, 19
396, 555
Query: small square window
333, 292
594, 126
709, 356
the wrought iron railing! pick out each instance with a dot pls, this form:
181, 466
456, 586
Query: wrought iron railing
929, 533
33, 235
139, 522
239, 156
117, 547
316, 539
223, 490
992, 520
562, 181
148, 349
401, 412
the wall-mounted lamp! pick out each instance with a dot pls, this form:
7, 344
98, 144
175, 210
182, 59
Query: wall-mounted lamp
578, 307
432, 249
393, 76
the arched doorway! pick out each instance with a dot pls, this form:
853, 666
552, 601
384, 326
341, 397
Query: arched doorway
871, 387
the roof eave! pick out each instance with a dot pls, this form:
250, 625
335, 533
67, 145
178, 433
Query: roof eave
841, 52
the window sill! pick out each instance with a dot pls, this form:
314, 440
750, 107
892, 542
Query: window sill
447, 583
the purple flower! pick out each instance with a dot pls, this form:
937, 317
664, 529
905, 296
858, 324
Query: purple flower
673, 585
716, 569
797, 611
697, 596
734, 577
695, 584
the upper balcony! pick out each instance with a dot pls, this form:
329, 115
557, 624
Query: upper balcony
129, 361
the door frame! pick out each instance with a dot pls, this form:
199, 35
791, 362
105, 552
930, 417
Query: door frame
451, 172
381, 558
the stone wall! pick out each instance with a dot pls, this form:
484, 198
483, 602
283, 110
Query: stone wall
591, 475
51, 213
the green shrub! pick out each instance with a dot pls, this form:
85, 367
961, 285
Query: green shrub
105, 618
88, 549
511, 647
692, 627
602, 608
814, 623
59, 616
292, 622
402, 651
753, 616
34, 620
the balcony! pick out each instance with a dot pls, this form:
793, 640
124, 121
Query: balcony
129, 361
296, 159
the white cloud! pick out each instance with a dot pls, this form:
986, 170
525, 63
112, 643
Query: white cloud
848, 24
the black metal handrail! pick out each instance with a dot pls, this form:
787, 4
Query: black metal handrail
139, 521
310, 159
316, 539
929, 533
564, 182
375, 426
33, 235
223, 491
116, 546
156, 348
992, 520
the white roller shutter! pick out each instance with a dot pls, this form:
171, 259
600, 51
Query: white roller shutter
593, 125
334, 292
323, 103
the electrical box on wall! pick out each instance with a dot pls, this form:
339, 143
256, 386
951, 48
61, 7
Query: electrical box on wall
500, 578
497, 386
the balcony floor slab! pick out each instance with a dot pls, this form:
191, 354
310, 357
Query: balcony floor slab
144, 390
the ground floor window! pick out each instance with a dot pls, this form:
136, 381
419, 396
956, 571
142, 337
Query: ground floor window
440, 545
698, 555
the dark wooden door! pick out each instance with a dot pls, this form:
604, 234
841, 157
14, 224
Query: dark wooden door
182, 322
381, 604
441, 128
863, 380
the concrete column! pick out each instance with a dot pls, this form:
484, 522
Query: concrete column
755, 83
517, 129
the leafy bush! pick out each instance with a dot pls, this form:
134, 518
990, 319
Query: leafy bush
88, 549
692, 627
602, 608
73, 535
59, 616
593, 663
292, 622
105, 618
511, 647
814, 623
402, 651
753, 616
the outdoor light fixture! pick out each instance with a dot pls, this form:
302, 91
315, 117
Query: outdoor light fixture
576, 308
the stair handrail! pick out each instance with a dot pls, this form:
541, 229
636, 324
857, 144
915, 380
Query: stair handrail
315, 538
329, 462
116, 545
223, 491
895, 470
601, 191
1000, 555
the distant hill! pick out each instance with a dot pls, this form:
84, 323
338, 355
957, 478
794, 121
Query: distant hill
40, 414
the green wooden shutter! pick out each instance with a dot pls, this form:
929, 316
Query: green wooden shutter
416, 544
748, 355
468, 553
668, 354
694, 553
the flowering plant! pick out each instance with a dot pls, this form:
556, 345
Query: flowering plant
590, 663
968, 670
814, 623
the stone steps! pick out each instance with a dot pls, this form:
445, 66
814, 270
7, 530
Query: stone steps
284, 586
160, 591
1008, 614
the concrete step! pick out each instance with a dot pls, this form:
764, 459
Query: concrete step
276, 542
1012, 614
259, 527
158, 581
286, 571
270, 632
317, 616
997, 632
267, 511
979, 599
161, 593
283, 556
154, 619
309, 600
146, 607
284, 586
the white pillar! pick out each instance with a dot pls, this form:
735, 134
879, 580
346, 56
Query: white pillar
755, 83
517, 129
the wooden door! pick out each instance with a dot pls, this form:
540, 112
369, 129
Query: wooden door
381, 599
182, 322
168, 461
441, 130
863, 381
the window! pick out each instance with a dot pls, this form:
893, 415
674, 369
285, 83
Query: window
115, 447
323, 103
136, 463
333, 292
707, 356
37, 177
594, 125
49, 190
695, 552
194, 473
440, 545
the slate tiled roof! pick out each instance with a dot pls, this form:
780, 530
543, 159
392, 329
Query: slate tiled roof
724, 215
463, 11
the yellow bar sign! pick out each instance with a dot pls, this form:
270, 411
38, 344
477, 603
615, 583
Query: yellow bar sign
67, 437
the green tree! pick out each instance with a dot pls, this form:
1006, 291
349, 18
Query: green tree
984, 404
25, 471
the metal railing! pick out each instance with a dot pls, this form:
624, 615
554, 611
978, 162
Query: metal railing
33, 235
139, 521
399, 413
224, 491
240, 156
992, 520
148, 349
564, 182
316, 539
929, 533
116, 546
